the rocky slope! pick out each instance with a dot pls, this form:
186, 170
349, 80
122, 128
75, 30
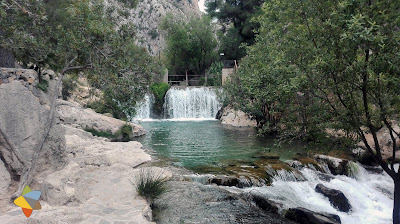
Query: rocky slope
83, 179
147, 17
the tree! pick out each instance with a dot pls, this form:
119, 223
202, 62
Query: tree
190, 45
84, 35
343, 58
240, 14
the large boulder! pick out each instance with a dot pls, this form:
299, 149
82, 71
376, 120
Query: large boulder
236, 118
336, 197
385, 143
264, 203
22, 124
305, 216
72, 113
88, 150
5, 179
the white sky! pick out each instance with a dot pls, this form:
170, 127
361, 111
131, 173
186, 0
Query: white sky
201, 6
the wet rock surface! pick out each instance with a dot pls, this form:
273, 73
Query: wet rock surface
191, 202
224, 181
336, 166
336, 197
305, 216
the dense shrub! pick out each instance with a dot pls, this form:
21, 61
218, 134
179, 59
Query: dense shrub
43, 85
125, 133
100, 133
69, 83
159, 90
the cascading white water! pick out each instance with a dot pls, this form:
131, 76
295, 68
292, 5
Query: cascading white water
370, 195
191, 102
144, 108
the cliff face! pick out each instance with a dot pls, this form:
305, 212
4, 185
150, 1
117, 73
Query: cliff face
147, 17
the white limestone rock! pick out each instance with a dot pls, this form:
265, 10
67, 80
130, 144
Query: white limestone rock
72, 113
236, 118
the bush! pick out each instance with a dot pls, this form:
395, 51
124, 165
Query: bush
43, 85
125, 133
110, 107
150, 185
68, 86
159, 90
100, 133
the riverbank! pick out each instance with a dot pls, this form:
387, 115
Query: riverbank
82, 178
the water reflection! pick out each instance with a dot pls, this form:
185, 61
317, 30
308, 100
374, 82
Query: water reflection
200, 143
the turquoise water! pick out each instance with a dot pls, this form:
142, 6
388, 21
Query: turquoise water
201, 143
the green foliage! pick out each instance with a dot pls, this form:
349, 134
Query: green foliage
125, 133
231, 42
190, 44
69, 83
81, 35
215, 74
153, 34
159, 90
107, 105
43, 85
321, 64
150, 185
240, 14
100, 133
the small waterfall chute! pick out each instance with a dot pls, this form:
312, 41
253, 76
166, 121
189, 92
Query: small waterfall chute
144, 108
191, 102
369, 193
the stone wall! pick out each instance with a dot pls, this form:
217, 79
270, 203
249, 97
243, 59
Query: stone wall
27, 77
226, 73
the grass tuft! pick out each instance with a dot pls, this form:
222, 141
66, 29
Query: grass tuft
150, 185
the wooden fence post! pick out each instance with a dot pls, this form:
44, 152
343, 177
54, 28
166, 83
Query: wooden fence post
205, 79
187, 79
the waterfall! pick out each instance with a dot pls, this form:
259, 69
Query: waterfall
369, 193
144, 108
191, 102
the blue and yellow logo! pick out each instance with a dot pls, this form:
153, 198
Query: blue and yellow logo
29, 201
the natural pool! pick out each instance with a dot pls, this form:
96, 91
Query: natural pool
207, 143
197, 143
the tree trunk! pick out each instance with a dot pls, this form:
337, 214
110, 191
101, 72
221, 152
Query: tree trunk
396, 207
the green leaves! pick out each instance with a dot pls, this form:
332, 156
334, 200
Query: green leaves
190, 45
336, 54
86, 36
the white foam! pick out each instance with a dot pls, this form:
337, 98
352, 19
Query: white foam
369, 194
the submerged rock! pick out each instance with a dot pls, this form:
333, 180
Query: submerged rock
336, 197
305, 216
192, 202
221, 180
263, 202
